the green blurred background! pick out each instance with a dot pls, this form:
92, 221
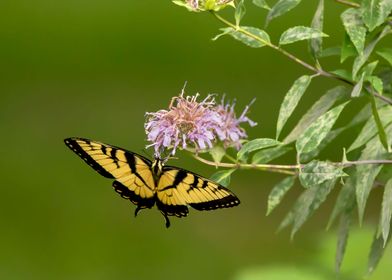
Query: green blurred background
92, 69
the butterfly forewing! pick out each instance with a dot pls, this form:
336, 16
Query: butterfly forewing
134, 178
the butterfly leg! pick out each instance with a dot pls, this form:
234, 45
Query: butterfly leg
167, 221
137, 210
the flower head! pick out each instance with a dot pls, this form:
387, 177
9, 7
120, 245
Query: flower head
230, 131
187, 122
204, 5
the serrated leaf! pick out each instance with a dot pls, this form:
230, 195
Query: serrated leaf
278, 192
355, 28
300, 33
376, 252
318, 130
370, 128
262, 4
345, 201
386, 54
343, 231
386, 211
280, 8
217, 153
320, 107
362, 58
308, 202
376, 83
317, 172
239, 12
222, 177
249, 40
315, 44
290, 101
358, 87
267, 155
347, 50
375, 12
256, 144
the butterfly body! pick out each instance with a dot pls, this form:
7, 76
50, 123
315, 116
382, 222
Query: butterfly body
146, 183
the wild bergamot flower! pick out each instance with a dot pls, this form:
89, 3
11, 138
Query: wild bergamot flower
189, 123
204, 5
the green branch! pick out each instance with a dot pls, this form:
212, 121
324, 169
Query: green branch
314, 69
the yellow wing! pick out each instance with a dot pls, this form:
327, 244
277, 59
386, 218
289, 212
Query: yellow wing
178, 188
132, 172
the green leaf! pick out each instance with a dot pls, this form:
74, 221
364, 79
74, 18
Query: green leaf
358, 87
343, 73
370, 128
183, 4
375, 12
376, 83
308, 202
333, 51
256, 144
344, 228
345, 201
280, 8
386, 54
386, 211
217, 153
327, 140
239, 12
362, 58
355, 28
300, 33
267, 155
320, 107
262, 4
317, 172
315, 44
369, 68
291, 100
249, 40
376, 252
224, 32
318, 130
222, 177
278, 192
367, 173
347, 50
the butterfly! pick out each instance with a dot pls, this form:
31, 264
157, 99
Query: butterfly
147, 183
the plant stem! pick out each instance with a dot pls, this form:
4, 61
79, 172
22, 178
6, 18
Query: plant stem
348, 3
381, 132
290, 169
316, 70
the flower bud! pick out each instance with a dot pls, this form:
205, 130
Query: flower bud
204, 5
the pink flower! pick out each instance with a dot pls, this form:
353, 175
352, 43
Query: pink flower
230, 131
189, 123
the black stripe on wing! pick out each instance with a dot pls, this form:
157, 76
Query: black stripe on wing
135, 199
74, 146
172, 210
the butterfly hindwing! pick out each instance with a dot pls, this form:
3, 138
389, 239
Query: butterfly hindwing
134, 178
178, 188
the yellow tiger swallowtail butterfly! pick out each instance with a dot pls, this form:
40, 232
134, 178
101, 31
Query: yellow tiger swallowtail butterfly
146, 183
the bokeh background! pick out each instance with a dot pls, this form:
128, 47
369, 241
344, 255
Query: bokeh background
92, 69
